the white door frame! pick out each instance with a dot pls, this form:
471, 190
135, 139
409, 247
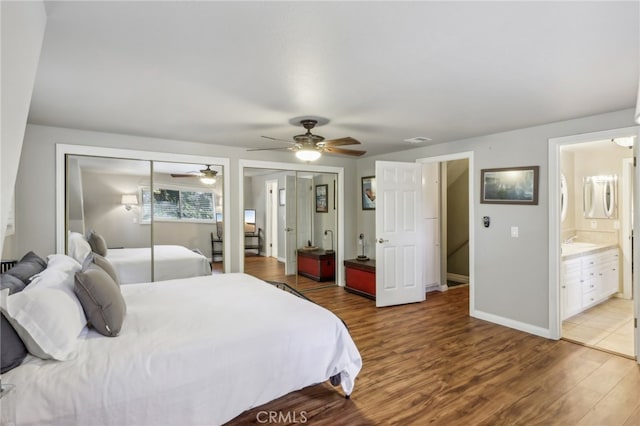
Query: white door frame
271, 219
626, 228
338, 171
555, 323
461, 156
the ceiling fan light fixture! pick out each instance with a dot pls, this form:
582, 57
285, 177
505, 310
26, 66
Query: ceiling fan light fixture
207, 180
626, 142
308, 154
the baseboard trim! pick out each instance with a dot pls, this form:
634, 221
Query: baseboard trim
434, 287
457, 278
507, 322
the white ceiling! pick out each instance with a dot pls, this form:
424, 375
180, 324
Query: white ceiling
228, 72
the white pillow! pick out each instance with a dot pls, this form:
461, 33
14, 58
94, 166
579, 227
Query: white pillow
60, 274
78, 248
46, 320
63, 262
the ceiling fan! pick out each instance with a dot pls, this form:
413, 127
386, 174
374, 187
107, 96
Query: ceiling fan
309, 147
207, 176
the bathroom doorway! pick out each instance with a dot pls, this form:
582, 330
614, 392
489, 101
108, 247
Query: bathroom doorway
595, 227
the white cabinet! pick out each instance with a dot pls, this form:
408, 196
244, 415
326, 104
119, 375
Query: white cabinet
588, 280
571, 288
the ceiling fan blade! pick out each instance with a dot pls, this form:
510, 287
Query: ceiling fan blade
276, 139
342, 141
184, 175
270, 149
353, 152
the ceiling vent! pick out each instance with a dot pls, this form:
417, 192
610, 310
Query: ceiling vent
417, 139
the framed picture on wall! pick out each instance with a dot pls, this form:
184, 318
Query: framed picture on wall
281, 196
369, 193
510, 185
322, 192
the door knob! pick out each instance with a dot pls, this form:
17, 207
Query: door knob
382, 241
288, 229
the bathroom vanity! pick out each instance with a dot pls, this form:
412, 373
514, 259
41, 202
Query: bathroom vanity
590, 275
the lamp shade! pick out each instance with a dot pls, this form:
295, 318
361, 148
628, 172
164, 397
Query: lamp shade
129, 199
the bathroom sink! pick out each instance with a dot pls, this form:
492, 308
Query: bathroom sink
577, 247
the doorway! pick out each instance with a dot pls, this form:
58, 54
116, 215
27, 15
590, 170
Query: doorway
596, 257
454, 251
573, 290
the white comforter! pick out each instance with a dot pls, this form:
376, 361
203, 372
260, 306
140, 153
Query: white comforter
134, 264
191, 351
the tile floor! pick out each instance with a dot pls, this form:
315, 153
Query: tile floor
607, 326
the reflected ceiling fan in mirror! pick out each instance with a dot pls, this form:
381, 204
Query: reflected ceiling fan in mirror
207, 176
309, 147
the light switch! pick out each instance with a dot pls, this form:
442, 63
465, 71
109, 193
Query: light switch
594, 224
514, 232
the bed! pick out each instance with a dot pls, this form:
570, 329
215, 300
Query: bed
191, 351
171, 262
133, 265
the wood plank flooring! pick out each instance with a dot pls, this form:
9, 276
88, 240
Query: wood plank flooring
432, 363
269, 269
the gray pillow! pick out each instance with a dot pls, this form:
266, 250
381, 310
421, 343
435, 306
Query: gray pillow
101, 300
12, 349
12, 283
97, 243
104, 263
28, 266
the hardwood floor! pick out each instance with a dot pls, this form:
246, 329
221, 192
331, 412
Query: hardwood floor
269, 269
432, 363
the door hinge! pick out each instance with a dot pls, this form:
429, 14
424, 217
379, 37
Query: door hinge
635, 323
634, 161
271, 191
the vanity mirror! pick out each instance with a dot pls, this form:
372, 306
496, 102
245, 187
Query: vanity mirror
599, 196
564, 197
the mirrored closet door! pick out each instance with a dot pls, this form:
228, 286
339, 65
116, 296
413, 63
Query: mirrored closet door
294, 221
156, 220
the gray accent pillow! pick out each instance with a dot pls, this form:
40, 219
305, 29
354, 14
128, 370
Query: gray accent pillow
104, 263
28, 266
101, 300
12, 283
12, 349
97, 243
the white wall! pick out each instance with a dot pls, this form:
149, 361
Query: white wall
22, 25
35, 192
511, 274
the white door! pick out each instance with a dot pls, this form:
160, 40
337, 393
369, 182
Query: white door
399, 249
290, 265
271, 232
